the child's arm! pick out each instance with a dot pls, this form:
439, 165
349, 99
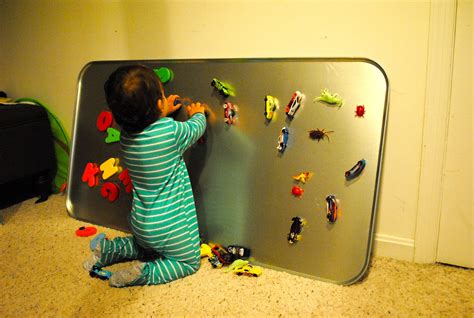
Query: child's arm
188, 132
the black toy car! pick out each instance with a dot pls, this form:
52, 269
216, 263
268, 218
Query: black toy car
238, 251
296, 229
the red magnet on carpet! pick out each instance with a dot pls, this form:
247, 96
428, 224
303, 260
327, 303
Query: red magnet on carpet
86, 231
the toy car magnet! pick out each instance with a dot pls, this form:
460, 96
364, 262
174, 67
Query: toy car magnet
248, 270
294, 104
271, 105
355, 171
296, 229
224, 88
331, 208
100, 273
230, 113
283, 139
238, 251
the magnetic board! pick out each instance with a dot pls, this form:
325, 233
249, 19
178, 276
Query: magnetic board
242, 183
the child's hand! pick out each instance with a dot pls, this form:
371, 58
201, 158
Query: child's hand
172, 99
195, 108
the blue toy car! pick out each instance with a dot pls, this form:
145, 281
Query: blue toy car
100, 273
355, 171
331, 208
283, 139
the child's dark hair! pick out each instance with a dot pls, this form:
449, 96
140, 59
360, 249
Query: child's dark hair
132, 93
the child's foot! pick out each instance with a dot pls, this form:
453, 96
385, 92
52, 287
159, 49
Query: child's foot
95, 247
126, 277
96, 241
88, 264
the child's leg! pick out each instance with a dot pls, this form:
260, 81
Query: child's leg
119, 249
159, 271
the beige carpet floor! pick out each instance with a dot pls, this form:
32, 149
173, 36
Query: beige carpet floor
41, 276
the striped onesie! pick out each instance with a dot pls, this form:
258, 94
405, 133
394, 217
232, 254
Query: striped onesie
163, 217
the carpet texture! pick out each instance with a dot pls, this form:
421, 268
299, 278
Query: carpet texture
41, 275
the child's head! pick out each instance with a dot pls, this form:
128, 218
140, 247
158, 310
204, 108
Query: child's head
132, 93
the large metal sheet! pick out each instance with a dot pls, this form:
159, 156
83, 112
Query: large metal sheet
242, 184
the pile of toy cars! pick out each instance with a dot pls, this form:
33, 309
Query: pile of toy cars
235, 257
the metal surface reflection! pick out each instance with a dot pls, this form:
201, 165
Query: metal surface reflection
242, 183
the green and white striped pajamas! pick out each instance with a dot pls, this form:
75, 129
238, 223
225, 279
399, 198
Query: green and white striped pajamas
163, 217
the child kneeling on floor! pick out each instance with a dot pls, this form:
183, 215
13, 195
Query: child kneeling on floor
163, 216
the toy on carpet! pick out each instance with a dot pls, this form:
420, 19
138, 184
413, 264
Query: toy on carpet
236, 264
248, 270
102, 274
238, 251
84, 231
206, 250
328, 98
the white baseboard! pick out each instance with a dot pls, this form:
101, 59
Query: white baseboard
393, 246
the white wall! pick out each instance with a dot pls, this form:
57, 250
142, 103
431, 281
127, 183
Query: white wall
46, 43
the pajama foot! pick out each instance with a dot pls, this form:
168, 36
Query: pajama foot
91, 262
126, 277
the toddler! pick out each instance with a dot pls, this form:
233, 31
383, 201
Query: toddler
163, 216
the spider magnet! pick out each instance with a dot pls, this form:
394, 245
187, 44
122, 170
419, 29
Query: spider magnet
319, 134
303, 177
283, 139
356, 170
328, 98
360, 111
230, 113
295, 103
297, 191
296, 229
332, 206
271, 105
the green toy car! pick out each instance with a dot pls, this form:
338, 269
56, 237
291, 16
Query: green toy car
223, 88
